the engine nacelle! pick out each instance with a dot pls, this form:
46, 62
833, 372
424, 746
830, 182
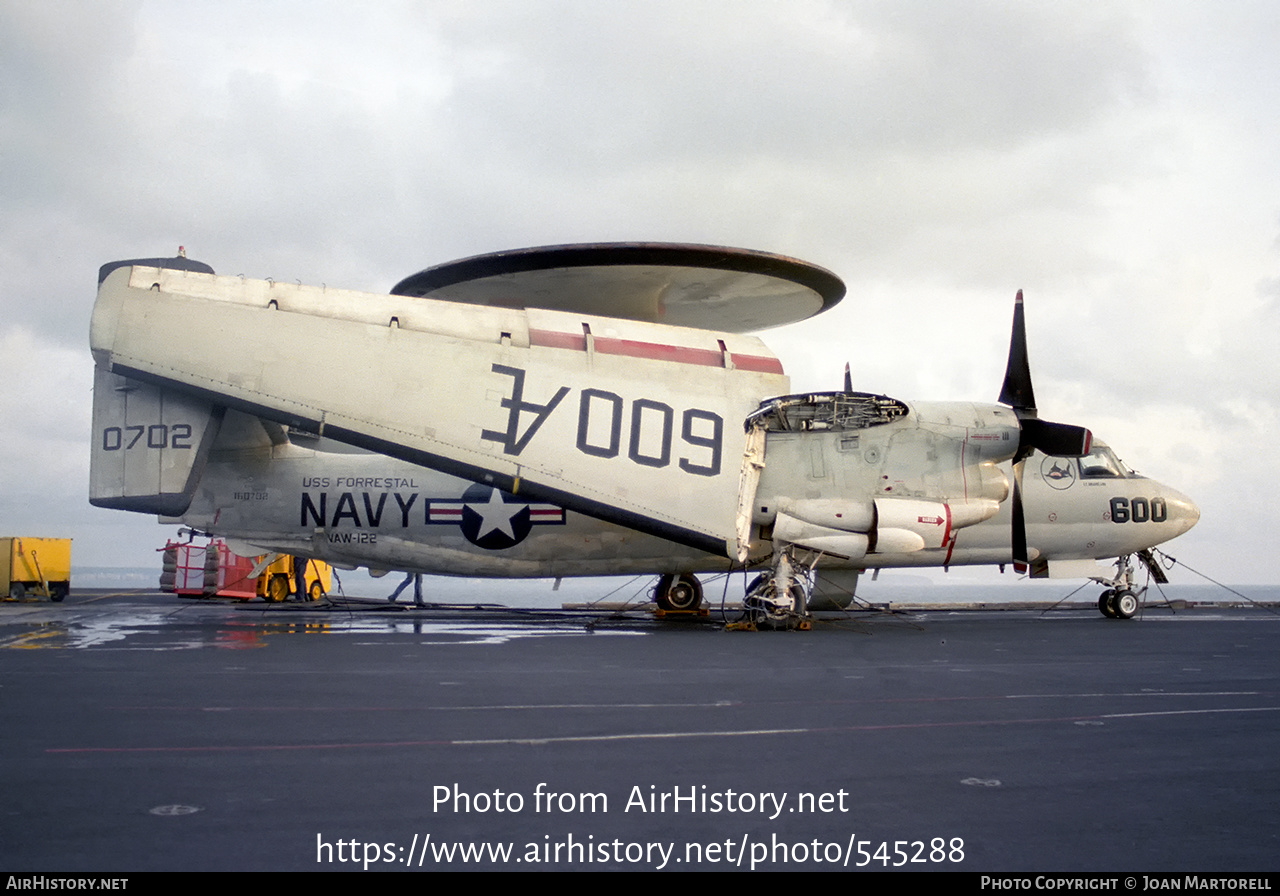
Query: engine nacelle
886, 525
931, 522
832, 513
847, 545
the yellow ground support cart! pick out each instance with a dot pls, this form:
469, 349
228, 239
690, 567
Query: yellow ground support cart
275, 582
35, 566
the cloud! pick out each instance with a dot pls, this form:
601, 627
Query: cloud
1118, 162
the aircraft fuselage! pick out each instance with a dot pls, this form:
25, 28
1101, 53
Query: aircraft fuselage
320, 498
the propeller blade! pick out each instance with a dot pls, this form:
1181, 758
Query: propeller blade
1019, 524
1057, 439
1017, 392
848, 378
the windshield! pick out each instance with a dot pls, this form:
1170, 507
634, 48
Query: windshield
1101, 463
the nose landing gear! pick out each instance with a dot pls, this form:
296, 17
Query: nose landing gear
1121, 604
1121, 600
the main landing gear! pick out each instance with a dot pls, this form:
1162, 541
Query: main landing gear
777, 599
1120, 600
678, 594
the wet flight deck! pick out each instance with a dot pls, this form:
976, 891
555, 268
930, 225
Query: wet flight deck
145, 731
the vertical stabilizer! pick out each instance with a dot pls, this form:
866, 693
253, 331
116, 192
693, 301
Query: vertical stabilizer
149, 445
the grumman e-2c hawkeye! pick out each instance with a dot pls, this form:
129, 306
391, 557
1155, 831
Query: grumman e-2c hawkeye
576, 411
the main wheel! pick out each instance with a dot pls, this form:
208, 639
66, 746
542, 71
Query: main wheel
1125, 604
1106, 603
680, 594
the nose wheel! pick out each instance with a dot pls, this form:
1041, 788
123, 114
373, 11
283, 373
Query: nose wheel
1121, 604
1126, 603
1120, 600
1106, 604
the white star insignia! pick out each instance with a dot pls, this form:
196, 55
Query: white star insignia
496, 515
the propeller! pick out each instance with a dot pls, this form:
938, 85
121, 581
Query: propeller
1056, 439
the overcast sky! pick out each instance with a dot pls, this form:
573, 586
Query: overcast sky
1120, 162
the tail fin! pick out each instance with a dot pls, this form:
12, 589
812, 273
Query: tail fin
149, 445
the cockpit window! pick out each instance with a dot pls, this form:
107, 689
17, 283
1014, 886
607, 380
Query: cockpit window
1101, 463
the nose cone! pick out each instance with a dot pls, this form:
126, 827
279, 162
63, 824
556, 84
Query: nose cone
1183, 512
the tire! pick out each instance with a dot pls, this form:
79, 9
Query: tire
1105, 604
1125, 604
799, 601
17, 591
58, 591
316, 591
680, 594
277, 589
